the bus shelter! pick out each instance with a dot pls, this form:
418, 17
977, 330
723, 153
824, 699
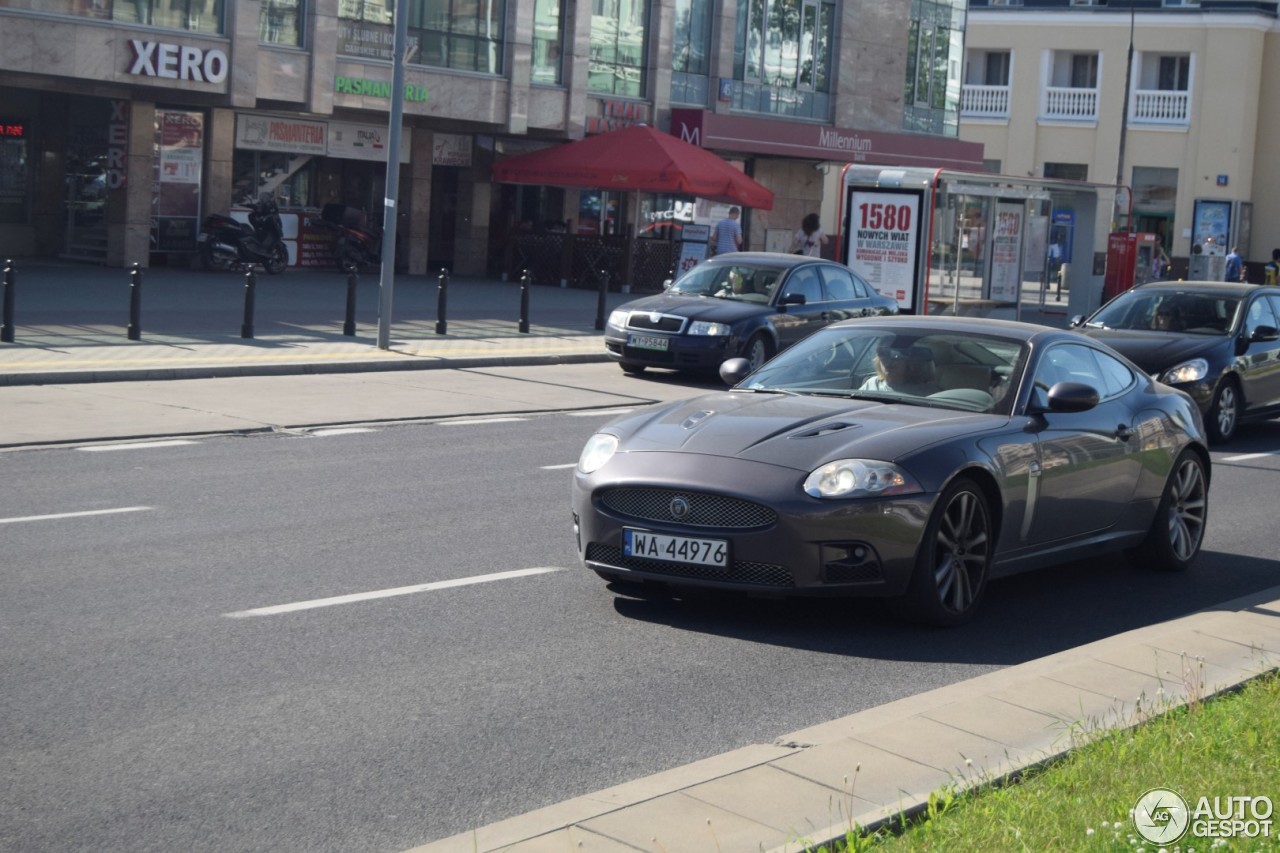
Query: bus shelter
975, 243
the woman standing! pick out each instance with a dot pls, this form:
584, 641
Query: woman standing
808, 239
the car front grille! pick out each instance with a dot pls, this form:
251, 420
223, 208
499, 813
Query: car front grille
703, 510
740, 571
654, 322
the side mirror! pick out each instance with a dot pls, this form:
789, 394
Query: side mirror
735, 370
792, 299
666, 283
1076, 321
1072, 397
1265, 333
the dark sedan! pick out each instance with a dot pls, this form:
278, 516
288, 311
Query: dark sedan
907, 457
749, 304
1217, 341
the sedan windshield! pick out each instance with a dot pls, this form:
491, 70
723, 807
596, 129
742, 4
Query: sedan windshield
1181, 311
741, 282
954, 370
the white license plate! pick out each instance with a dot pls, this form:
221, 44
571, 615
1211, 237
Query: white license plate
648, 342
675, 549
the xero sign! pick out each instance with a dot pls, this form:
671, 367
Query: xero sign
178, 62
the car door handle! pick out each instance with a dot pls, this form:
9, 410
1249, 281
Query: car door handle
1123, 432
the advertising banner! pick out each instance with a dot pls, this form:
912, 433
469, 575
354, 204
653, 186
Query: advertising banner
883, 239
1006, 251
364, 141
275, 133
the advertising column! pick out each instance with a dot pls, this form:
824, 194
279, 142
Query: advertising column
1006, 252
884, 234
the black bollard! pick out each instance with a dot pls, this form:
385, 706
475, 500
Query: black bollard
524, 302
6, 330
604, 290
349, 327
442, 303
135, 304
250, 287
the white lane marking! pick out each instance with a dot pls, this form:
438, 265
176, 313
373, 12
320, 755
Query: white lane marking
1245, 456
388, 593
600, 412
80, 514
341, 431
469, 421
554, 467
138, 445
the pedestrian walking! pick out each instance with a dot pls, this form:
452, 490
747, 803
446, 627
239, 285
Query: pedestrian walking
1271, 272
727, 235
1235, 266
808, 238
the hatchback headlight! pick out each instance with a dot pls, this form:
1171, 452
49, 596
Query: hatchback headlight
1189, 371
599, 450
618, 318
702, 327
859, 478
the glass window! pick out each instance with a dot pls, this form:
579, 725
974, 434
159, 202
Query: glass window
280, 22
782, 57
935, 50
1116, 377
805, 282
15, 170
201, 16
619, 44
464, 34
691, 46
1067, 171
1260, 314
840, 286
548, 41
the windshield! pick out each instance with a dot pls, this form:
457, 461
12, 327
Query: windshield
740, 282
911, 366
1164, 310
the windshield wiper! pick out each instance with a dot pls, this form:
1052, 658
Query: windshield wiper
786, 391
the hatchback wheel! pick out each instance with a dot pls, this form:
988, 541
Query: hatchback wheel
954, 558
758, 350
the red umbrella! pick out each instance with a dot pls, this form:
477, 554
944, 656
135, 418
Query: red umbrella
638, 157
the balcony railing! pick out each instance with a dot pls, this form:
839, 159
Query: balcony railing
1071, 104
984, 101
1151, 106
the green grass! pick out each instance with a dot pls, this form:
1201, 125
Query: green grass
1227, 746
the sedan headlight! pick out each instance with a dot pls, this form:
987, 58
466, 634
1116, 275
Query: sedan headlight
618, 318
859, 478
1189, 371
702, 327
599, 450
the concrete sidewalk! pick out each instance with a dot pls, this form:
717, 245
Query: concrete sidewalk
72, 324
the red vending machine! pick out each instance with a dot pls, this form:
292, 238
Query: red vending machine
1129, 259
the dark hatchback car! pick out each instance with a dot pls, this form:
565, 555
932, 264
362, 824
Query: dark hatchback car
748, 304
1217, 341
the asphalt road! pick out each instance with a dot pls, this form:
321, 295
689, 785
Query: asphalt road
147, 704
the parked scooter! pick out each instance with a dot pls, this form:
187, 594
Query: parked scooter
227, 243
357, 244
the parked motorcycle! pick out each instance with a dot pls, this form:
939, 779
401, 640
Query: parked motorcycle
357, 244
227, 243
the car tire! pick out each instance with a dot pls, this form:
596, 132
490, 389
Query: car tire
758, 350
954, 559
1177, 530
1224, 414
631, 368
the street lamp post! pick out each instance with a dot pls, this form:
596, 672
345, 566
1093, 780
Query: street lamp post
1124, 127
393, 176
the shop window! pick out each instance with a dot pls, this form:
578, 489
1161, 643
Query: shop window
280, 22
1067, 171
100, 9
15, 170
618, 47
290, 178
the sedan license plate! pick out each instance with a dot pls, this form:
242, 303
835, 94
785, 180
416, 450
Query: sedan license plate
675, 549
648, 342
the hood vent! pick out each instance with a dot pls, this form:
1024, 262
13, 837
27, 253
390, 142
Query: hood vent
696, 418
825, 429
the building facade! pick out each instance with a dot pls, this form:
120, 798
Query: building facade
124, 122
1177, 102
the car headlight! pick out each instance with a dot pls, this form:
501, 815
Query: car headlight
599, 450
1189, 371
859, 478
702, 327
618, 318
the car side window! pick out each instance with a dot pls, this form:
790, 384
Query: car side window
1116, 375
1071, 363
805, 282
840, 285
1259, 314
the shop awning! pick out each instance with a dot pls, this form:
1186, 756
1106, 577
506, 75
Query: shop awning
640, 158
